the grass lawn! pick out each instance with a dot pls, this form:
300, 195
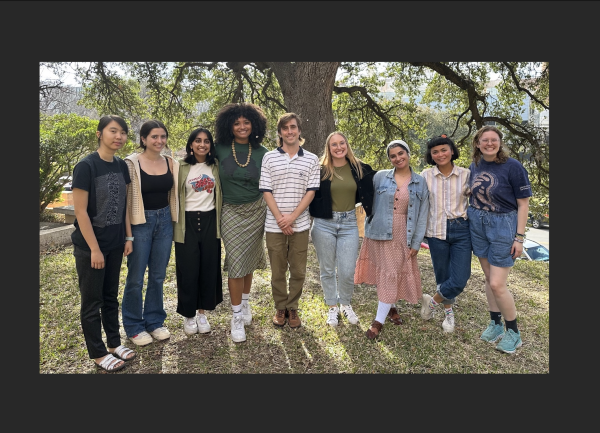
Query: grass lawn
416, 346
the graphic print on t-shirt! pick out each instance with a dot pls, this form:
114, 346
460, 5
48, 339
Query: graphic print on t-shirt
483, 188
110, 199
203, 183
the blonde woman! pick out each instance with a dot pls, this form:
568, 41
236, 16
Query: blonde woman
346, 183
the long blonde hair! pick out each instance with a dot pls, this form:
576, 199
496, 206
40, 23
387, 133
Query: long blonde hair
326, 160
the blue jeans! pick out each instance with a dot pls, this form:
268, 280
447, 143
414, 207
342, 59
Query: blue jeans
492, 235
336, 243
451, 258
151, 249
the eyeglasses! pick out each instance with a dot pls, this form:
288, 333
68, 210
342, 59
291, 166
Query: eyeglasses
486, 141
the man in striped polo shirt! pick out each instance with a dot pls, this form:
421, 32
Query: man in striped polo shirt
288, 180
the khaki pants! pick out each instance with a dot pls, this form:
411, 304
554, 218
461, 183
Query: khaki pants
287, 253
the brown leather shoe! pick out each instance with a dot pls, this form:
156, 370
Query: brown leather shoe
279, 318
394, 316
294, 319
372, 335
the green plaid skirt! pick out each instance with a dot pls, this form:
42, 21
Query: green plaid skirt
242, 231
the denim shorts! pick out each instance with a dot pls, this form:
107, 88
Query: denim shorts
492, 235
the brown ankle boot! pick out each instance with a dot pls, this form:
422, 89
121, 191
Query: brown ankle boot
294, 319
279, 318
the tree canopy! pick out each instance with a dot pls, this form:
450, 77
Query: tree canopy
422, 99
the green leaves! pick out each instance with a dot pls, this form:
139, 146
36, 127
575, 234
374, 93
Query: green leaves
64, 140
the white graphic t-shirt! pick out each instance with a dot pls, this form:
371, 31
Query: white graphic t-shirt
200, 189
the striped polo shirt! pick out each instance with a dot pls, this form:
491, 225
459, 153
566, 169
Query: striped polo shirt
288, 179
447, 198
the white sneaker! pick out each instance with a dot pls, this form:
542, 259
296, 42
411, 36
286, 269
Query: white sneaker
332, 316
202, 322
426, 312
142, 338
190, 327
448, 323
238, 333
349, 314
246, 313
161, 333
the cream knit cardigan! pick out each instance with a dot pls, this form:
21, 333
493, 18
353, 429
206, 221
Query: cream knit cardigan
135, 204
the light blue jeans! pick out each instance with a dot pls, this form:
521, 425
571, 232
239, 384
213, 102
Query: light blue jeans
492, 235
336, 243
152, 245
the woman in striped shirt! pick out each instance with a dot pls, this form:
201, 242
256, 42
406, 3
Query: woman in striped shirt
447, 231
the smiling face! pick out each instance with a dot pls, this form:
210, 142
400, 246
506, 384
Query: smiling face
201, 146
156, 140
442, 155
338, 149
489, 145
242, 128
399, 157
290, 133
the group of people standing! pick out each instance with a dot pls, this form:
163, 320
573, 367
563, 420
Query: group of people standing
481, 210
234, 189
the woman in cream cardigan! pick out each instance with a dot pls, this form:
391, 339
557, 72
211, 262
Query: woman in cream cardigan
152, 203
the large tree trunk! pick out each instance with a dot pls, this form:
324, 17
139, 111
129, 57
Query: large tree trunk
316, 79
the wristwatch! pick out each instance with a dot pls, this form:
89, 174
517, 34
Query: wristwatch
129, 238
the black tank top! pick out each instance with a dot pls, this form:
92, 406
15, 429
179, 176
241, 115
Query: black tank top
155, 188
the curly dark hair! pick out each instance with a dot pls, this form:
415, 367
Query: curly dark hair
189, 157
230, 113
437, 141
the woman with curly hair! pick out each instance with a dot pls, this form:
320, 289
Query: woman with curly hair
239, 130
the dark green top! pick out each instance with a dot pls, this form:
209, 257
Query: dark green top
239, 184
343, 191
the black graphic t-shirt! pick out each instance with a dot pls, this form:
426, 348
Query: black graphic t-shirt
106, 183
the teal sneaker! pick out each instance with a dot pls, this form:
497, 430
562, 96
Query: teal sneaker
493, 332
510, 342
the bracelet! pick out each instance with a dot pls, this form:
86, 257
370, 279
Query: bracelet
129, 238
519, 240
519, 234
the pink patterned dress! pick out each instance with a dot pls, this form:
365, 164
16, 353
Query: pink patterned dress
386, 264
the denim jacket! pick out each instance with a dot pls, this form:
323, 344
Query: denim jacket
379, 225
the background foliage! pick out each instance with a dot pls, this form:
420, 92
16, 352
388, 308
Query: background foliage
372, 102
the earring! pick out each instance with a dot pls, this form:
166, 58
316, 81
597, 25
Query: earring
208, 153
257, 136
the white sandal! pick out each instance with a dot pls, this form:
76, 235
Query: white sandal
109, 363
123, 352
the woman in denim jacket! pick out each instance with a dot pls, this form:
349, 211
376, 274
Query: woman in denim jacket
393, 236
